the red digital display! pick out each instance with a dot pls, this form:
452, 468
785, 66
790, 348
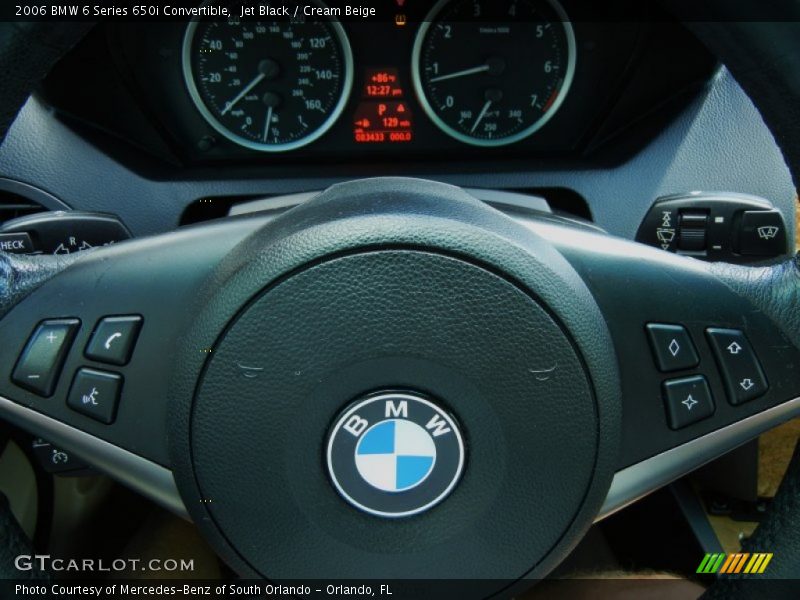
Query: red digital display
377, 122
382, 83
383, 116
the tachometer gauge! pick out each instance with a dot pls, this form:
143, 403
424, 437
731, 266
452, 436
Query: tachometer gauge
268, 85
493, 72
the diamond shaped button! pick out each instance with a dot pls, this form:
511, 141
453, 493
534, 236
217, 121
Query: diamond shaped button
672, 347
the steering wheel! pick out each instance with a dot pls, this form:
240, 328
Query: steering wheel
486, 358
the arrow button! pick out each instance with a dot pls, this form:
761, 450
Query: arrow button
741, 372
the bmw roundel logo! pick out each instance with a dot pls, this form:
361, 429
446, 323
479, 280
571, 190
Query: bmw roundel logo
395, 454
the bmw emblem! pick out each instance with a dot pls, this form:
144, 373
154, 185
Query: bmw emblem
395, 454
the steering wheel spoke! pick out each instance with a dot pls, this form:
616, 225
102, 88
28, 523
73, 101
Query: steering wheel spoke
705, 364
87, 354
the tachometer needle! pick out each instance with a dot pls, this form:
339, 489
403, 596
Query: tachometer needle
243, 93
482, 114
464, 73
268, 124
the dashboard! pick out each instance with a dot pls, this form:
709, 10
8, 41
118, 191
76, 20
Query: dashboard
452, 79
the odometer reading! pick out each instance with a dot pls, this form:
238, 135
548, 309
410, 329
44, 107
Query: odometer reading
268, 85
492, 72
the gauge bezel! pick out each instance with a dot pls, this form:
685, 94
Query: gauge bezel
219, 127
416, 79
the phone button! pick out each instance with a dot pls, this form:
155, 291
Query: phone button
113, 339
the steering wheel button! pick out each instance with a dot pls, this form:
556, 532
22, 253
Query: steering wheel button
95, 394
113, 339
687, 400
41, 361
672, 347
744, 379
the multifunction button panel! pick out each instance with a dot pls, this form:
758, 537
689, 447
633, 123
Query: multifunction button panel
716, 227
94, 393
688, 399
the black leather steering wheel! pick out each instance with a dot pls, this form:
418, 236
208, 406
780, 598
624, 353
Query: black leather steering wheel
528, 331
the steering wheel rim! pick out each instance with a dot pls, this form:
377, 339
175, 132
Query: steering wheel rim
765, 60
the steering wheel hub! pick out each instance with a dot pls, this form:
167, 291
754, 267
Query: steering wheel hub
304, 432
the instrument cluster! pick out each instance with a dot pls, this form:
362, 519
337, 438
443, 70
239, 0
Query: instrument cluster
442, 80
485, 72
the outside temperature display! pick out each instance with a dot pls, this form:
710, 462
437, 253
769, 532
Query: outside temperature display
382, 83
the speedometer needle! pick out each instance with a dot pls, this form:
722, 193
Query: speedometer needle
482, 114
243, 93
267, 124
464, 73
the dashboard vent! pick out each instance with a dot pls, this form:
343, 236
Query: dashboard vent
14, 205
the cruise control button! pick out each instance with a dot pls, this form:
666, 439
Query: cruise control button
113, 339
41, 361
55, 460
672, 347
741, 371
95, 394
687, 401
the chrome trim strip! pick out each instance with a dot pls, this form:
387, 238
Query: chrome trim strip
634, 482
144, 476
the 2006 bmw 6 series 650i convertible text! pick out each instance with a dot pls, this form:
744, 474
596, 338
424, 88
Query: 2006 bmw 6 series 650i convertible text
402, 299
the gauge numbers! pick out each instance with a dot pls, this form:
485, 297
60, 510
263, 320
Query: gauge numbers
270, 86
493, 72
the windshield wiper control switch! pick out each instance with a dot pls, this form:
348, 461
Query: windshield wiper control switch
692, 231
717, 227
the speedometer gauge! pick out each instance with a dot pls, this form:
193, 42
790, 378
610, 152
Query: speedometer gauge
493, 72
268, 85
